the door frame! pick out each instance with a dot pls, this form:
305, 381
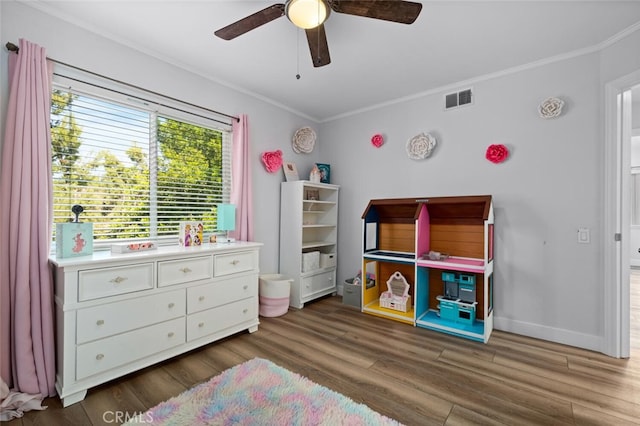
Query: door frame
616, 341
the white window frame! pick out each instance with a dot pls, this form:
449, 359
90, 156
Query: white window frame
89, 85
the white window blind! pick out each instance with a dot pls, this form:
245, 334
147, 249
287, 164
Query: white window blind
137, 170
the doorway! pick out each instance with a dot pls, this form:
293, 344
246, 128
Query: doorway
634, 230
621, 227
634, 190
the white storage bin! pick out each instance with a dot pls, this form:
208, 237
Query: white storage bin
310, 261
274, 295
327, 260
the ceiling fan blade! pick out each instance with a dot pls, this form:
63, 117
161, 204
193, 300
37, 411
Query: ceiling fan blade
404, 12
251, 22
318, 46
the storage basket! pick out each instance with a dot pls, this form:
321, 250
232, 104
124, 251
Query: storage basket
327, 260
274, 295
352, 293
310, 261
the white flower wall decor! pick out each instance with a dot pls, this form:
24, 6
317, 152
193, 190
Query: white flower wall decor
421, 146
304, 140
551, 108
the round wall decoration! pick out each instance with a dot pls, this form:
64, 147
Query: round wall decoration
421, 146
496, 153
377, 140
551, 108
304, 140
272, 160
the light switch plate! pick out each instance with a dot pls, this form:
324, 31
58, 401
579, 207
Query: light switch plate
584, 236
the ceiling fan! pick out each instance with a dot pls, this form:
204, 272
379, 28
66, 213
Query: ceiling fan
310, 15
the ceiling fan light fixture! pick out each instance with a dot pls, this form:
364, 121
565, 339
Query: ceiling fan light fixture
307, 14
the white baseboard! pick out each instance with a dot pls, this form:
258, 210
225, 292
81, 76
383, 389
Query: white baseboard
557, 335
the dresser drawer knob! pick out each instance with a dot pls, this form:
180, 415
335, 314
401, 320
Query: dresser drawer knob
100, 322
245, 287
201, 298
245, 310
235, 262
171, 334
99, 356
171, 305
118, 279
185, 270
201, 325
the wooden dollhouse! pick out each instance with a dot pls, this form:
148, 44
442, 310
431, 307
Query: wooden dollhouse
443, 247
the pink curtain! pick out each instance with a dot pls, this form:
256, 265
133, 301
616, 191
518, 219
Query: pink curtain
26, 291
241, 180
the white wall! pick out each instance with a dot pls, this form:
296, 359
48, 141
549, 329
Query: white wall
271, 128
546, 284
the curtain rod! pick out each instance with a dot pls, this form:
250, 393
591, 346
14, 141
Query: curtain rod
13, 48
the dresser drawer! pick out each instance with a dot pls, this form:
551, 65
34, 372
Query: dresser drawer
232, 263
316, 283
185, 270
220, 293
218, 319
118, 317
102, 355
103, 282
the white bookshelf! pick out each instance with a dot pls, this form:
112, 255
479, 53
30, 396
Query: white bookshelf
308, 225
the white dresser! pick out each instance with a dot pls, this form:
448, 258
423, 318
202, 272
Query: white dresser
118, 313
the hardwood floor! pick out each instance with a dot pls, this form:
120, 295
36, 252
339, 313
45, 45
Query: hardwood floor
415, 376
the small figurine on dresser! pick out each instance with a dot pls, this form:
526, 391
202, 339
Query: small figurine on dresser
74, 238
314, 176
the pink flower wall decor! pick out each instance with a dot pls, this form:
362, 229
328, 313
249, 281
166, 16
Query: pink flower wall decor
272, 160
497, 153
377, 140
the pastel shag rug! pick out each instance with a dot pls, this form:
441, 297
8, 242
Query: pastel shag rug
258, 392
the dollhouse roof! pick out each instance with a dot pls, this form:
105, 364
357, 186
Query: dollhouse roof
462, 209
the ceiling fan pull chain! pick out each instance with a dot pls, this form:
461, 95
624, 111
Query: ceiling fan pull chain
318, 28
298, 53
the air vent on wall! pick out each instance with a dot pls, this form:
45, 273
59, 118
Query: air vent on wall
458, 99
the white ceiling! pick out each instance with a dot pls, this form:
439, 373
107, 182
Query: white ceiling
372, 62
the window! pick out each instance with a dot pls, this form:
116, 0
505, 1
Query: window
137, 170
